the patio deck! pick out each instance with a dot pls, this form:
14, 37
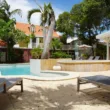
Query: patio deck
56, 95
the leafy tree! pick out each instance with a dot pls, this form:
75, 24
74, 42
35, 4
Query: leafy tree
7, 28
65, 24
10, 35
101, 51
88, 18
63, 39
47, 20
89, 15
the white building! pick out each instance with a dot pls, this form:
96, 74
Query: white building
38, 40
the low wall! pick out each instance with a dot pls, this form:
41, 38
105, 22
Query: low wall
84, 65
47, 64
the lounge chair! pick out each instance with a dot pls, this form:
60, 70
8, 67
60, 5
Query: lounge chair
7, 83
99, 80
97, 58
91, 58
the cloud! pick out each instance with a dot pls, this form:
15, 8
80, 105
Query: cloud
25, 6
57, 12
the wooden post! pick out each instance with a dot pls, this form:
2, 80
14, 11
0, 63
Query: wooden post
4, 87
21, 85
107, 51
78, 84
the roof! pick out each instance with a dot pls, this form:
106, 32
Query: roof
38, 30
3, 43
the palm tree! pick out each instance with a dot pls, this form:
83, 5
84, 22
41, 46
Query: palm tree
47, 23
5, 12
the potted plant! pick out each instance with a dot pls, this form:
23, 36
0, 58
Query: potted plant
35, 66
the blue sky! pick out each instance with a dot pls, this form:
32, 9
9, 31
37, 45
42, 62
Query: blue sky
65, 5
59, 7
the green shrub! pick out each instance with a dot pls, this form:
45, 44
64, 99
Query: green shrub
36, 53
56, 44
60, 55
84, 56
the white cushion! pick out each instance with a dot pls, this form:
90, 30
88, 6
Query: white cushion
56, 67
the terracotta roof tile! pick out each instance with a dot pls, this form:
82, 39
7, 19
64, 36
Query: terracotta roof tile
38, 31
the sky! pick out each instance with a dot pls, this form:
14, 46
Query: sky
59, 7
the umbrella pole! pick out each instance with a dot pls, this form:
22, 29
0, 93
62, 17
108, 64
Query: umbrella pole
107, 51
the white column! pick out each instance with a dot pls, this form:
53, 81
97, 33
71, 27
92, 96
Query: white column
107, 51
37, 41
30, 43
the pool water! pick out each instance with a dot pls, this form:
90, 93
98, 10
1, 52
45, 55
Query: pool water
25, 70
15, 70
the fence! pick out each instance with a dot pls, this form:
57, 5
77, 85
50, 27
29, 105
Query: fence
22, 53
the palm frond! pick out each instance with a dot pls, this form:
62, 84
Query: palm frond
11, 23
41, 9
16, 11
32, 12
5, 5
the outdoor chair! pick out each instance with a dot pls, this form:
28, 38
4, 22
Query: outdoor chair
97, 58
91, 58
99, 80
7, 83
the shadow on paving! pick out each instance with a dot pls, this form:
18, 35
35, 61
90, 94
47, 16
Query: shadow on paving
61, 98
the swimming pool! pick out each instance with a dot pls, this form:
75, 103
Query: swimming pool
25, 70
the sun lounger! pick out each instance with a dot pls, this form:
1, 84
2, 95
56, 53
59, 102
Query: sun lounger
91, 58
7, 83
97, 58
99, 80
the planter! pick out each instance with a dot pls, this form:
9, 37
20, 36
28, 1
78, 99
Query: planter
35, 66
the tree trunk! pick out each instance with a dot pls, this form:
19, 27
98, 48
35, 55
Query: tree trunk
92, 50
44, 33
48, 39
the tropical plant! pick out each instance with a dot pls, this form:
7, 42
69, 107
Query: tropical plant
5, 12
56, 44
47, 23
84, 56
36, 53
60, 54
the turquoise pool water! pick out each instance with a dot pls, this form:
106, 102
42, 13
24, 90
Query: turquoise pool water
15, 70
25, 70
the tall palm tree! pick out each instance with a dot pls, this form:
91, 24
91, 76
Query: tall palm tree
5, 12
47, 23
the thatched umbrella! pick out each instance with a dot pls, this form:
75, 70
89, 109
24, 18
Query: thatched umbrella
84, 46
